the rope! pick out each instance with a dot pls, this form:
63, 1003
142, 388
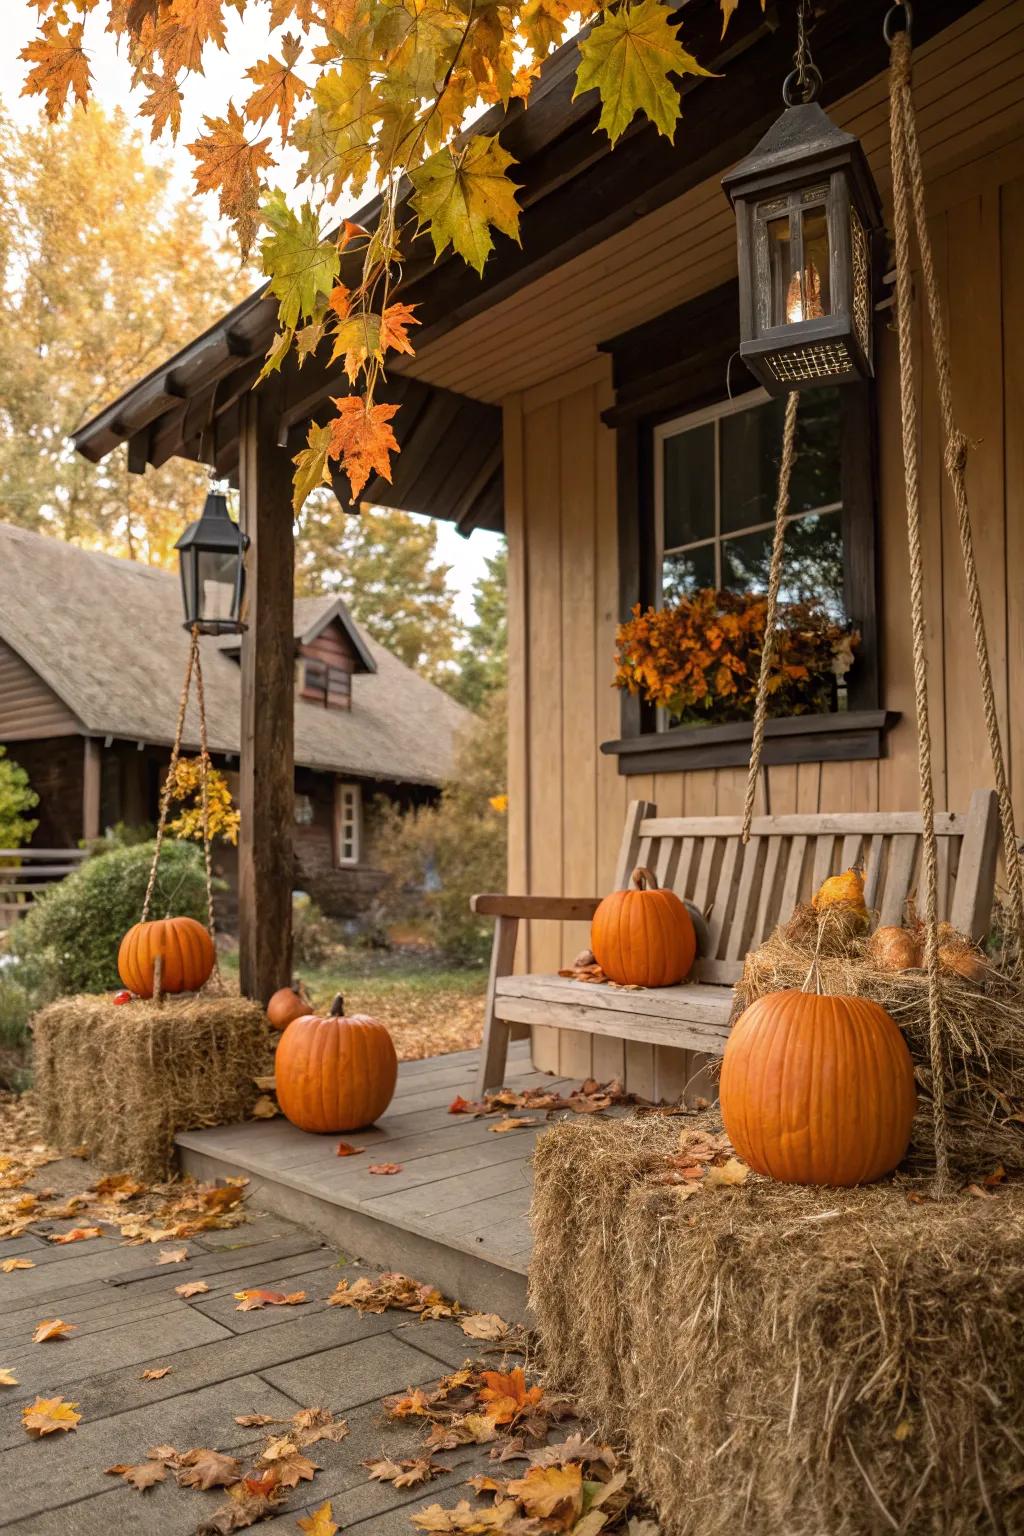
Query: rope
204, 779
168, 785
904, 128
771, 611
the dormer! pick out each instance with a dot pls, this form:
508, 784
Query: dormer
328, 654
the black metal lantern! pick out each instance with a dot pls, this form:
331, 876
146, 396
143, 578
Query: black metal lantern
213, 570
806, 210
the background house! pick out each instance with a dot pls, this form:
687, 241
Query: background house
92, 658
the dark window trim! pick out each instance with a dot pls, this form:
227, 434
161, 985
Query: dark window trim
668, 368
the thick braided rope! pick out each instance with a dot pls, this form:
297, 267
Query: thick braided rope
908, 417
956, 468
774, 581
168, 784
204, 779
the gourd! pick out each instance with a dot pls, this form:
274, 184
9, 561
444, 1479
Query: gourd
817, 1089
895, 949
334, 1073
187, 955
643, 936
958, 954
287, 1003
845, 891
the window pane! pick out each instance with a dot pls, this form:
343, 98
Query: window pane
751, 446
785, 283
812, 569
689, 466
817, 298
682, 575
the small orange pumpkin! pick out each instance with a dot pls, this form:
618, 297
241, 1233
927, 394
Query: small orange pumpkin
333, 1073
817, 1090
286, 1005
644, 936
186, 948
895, 949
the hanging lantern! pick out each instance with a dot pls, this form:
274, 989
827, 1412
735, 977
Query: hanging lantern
213, 570
806, 210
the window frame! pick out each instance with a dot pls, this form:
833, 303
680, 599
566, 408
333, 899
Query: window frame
352, 791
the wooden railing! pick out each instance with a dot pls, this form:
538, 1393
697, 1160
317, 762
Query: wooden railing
24, 872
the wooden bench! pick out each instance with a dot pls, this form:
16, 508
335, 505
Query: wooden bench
743, 891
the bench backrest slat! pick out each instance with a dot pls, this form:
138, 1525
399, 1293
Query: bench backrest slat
745, 891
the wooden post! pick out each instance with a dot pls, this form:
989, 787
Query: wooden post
267, 770
92, 767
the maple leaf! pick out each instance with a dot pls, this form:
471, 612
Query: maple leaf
230, 165
311, 466
406, 1473
59, 66
461, 197
550, 1493
52, 1328
484, 1325
394, 323
156, 1373
191, 1288
7, 1377
465, 1518
254, 1420
729, 1173
254, 1300
310, 1425
278, 88
172, 1256
294, 1468
76, 1235
362, 438
300, 264
628, 58
264, 1108
141, 1476
320, 1522
510, 1123
416, 1404
9, 1265
356, 339
207, 1469
728, 7
507, 1394
385, 1167
48, 1414
162, 103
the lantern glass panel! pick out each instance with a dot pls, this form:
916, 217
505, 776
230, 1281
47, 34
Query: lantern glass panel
217, 573
816, 297
785, 283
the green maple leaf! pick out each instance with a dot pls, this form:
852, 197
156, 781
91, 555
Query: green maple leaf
299, 264
311, 468
628, 58
461, 197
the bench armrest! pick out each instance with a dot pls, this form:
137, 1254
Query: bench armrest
562, 908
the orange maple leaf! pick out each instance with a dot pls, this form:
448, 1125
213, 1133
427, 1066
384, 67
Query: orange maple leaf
48, 1414
339, 301
185, 28
52, 1328
393, 323
59, 66
362, 438
278, 88
230, 165
508, 1395
162, 104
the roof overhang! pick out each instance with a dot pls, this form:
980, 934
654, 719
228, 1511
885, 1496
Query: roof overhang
575, 192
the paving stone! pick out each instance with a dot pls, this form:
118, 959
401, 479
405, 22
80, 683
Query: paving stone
201, 1263
355, 1373
97, 1259
442, 1338
20, 1247
40, 1475
257, 1229
217, 1269
317, 1284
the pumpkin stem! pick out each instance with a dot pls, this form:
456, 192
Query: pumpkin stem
644, 879
337, 1008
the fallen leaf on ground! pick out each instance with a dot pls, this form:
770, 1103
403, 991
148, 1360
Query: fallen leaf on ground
76, 1235
384, 1168
249, 1501
507, 1394
172, 1256
52, 1328
484, 1325
346, 1149
511, 1123
142, 1476
254, 1420
438, 1521
320, 1522
204, 1468
9, 1265
191, 1288
464, 1429
461, 1106
550, 1493
406, 1473
252, 1301
48, 1414
266, 1084
415, 1404
118, 1186
997, 1175
7, 1377
292, 1468
311, 1425
731, 1172
264, 1108
392, 1290
156, 1374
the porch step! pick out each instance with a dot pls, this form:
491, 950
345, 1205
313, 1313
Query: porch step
456, 1214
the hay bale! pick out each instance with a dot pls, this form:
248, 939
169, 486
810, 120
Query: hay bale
984, 1024
783, 1359
121, 1081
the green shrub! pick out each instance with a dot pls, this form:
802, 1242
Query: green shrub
15, 1007
69, 940
16, 797
314, 937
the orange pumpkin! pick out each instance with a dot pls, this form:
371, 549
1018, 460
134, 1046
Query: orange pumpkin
643, 936
333, 1073
817, 1090
895, 949
187, 950
287, 1004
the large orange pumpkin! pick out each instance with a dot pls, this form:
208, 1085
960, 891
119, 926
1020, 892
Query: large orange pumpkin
817, 1090
644, 936
286, 1005
187, 950
333, 1073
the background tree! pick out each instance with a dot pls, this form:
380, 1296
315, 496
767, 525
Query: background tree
104, 270
384, 564
483, 654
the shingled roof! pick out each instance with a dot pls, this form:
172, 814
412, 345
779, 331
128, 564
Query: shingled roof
106, 635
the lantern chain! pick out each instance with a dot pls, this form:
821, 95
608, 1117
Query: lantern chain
803, 82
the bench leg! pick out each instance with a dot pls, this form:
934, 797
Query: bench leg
494, 1051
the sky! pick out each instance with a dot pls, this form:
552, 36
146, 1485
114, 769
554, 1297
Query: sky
248, 40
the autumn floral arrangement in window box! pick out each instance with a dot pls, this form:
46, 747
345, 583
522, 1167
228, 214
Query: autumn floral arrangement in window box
699, 660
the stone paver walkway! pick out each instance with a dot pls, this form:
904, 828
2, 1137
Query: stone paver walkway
223, 1363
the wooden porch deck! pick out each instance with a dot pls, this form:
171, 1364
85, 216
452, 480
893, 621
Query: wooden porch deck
456, 1215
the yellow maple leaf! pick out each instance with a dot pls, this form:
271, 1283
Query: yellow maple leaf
7, 1377
48, 1414
311, 465
52, 1328
550, 1493
228, 164
362, 438
628, 58
162, 103
320, 1522
9, 1265
459, 197
278, 87
59, 65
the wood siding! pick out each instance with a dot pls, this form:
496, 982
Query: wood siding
29, 708
567, 801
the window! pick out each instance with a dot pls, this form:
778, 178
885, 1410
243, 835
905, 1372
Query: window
715, 484
324, 684
303, 811
348, 822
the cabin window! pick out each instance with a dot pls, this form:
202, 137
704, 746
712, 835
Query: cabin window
321, 683
348, 823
